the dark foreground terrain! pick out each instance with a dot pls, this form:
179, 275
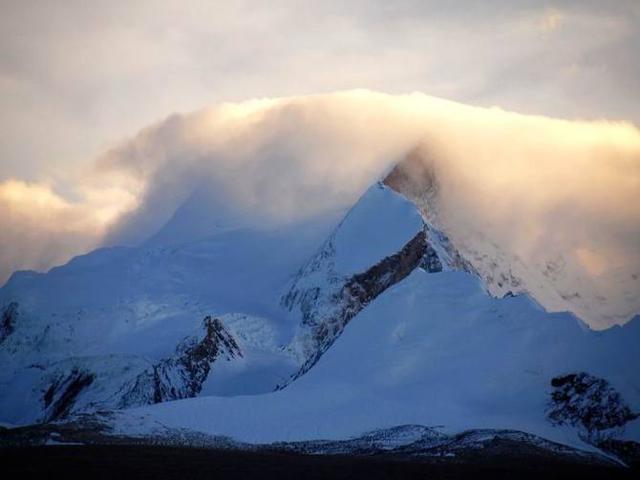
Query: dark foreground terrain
157, 462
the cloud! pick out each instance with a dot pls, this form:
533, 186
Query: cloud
68, 91
40, 228
552, 20
539, 188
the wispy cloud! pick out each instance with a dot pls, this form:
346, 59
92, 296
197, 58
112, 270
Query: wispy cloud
41, 228
538, 187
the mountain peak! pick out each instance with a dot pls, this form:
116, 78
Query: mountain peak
415, 178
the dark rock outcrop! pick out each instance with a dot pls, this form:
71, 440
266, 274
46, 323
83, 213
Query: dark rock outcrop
327, 300
430, 261
354, 295
588, 403
8, 319
416, 178
182, 375
364, 287
60, 396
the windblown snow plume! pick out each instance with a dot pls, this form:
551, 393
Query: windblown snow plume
555, 193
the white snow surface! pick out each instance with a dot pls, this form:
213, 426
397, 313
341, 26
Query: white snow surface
379, 225
433, 350
115, 311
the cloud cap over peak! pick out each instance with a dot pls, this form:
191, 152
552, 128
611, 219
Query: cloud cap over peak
546, 191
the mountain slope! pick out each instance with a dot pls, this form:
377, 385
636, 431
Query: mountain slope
386, 324
378, 244
121, 339
433, 350
116, 313
551, 280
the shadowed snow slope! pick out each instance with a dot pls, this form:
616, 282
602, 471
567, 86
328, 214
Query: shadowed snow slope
116, 312
386, 324
99, 331
433, 350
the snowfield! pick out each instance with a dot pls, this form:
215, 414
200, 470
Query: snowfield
309, 334
433, 350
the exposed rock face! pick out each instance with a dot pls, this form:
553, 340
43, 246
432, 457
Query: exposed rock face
8, 320
430, 260
441, 254
62, 393
87, 386
415, 177
589, 403
327, 298
182, 375
327, 317
364, 287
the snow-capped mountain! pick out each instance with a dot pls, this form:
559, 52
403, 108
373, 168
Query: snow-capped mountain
308, 333
548, 280
122, 334
348, 273
117, 313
